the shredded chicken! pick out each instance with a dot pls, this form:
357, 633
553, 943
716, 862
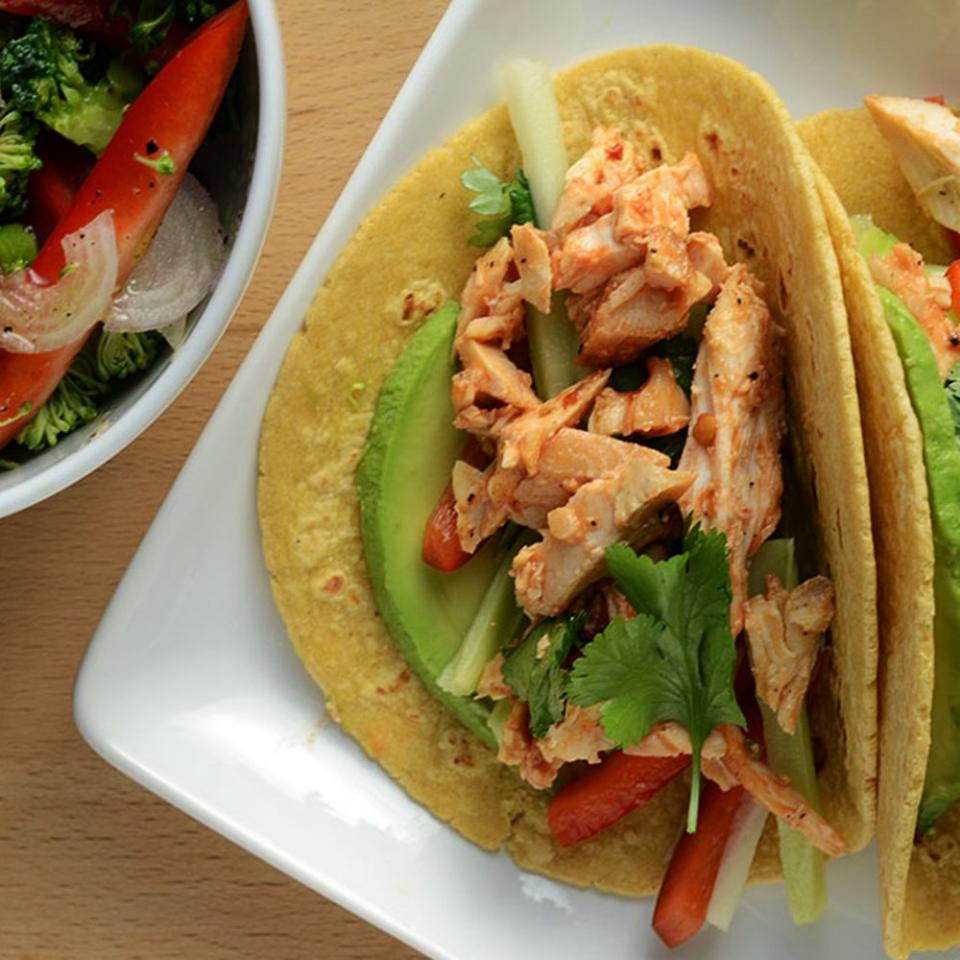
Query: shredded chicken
776, 794
491, 309
522, 440
725, 759
783, 634
491, 682
625, 504
737, 424
532, 258
655, 205
591, 182
927, 298
578, 736
659, 407
925, 138
519, 749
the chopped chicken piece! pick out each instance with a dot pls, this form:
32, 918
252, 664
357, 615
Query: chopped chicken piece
491, 683
490, 390
486, 499
490, 307
706, 256
624, 504
532, 257
783, 634
737, 413
657, 408
590, 255
578, 736
725, 759
925, 138
631, 313
927, 298
657, 203
588, 190
776, 794
522, 439
519, 749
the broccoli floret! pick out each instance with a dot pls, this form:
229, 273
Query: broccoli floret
17, 159
18, 247
71, 405
151, 19
42, 73
91, 377
121, 354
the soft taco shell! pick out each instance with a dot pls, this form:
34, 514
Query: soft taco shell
920, 885
408, 255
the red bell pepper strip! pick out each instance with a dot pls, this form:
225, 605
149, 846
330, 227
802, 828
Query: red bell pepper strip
688, 885
607, 793
52, 189
953, 275
171, 115
441, 543
91, 17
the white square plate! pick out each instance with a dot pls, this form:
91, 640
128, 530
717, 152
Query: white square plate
190, 686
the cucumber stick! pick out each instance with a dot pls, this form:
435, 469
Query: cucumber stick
791, 755
536, 122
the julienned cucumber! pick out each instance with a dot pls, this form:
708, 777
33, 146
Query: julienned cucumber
404, 469
536, 122
791, 756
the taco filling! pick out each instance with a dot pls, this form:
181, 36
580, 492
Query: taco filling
638, 621
905, 319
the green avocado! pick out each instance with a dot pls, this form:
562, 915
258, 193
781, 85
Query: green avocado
941, 454
405, 466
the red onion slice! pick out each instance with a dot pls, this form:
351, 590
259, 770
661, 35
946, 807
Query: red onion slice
178, 270
38, 319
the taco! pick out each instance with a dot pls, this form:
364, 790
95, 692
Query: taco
906, 340
712, 347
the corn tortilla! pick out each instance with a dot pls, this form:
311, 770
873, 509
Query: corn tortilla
408, 255
920, 885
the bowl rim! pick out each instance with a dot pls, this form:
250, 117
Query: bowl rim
212, 323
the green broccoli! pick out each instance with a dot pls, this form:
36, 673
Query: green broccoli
46, 73
17, 159
151, 19
71, 405
121, 354
108, 358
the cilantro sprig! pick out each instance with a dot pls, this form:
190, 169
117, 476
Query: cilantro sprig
535, 670
675, 659
952, 387
506, 202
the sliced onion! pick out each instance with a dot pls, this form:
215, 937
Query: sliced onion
37, 319
737, 858
178, 270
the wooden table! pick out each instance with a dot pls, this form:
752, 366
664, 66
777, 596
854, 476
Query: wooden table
92, 867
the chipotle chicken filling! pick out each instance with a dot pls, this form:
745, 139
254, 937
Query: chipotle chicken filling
621, 246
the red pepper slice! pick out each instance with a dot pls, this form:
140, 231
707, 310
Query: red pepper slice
688, 885
441, 543
172, 114
953, 275
52, 188
607, 793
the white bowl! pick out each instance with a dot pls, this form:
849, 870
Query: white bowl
128, 414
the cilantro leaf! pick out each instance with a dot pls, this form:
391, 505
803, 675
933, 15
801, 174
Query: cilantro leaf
535, 671
675, 659
506, 202
681, 351
952, 387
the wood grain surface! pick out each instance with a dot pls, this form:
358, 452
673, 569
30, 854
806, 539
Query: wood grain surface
92, 867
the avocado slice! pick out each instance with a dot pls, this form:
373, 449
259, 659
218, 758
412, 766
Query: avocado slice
405, 466
941, 454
